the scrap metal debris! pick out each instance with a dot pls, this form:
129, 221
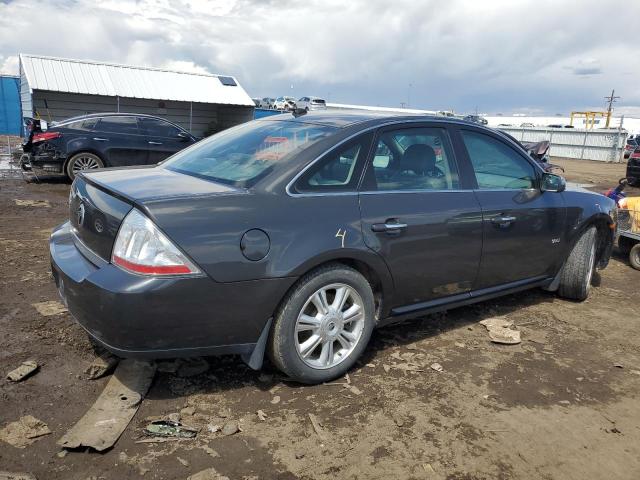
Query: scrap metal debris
500, 330
24, 432
23, 371
261, 415
103, 364
47, 309
107, 418
168, 428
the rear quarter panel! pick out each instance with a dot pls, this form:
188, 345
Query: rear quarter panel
303, 232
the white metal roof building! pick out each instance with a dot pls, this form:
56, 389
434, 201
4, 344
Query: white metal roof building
57, 88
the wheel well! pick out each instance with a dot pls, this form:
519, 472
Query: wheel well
604, 241
372, 277
366, 271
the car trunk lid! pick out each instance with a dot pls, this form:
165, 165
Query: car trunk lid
95, 216
100, 200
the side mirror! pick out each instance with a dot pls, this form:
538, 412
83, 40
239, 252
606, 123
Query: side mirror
183, 136
552, 183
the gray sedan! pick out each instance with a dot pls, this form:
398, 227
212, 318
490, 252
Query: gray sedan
297, 236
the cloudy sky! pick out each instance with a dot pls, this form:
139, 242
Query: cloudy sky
506, 56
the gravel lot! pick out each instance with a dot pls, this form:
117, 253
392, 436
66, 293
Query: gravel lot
564, 404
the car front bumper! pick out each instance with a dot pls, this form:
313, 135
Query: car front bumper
154, 317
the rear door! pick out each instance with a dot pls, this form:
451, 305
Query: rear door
163, 139
120, 142
420, 215
522, 226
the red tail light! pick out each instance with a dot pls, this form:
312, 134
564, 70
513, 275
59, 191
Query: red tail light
45, 136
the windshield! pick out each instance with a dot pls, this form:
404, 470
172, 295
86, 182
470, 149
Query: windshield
242, 155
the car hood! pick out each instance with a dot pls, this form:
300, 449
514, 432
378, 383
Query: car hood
579, 187
144, 184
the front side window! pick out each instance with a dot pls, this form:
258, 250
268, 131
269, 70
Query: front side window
496, 165
242, 155
412, 159
118, 125
339, 170
157, 128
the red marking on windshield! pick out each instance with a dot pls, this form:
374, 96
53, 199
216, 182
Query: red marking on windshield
276, 140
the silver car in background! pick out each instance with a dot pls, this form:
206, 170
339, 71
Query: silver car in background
285, 103
267, 102
311, 103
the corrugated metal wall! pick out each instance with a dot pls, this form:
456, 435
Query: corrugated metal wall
56, 106
10, 114
25, 95
602, 145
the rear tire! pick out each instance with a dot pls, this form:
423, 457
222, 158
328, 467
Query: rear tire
634, 256
82, 161
317, 344
575, 279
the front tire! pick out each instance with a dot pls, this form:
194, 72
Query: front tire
323, 325
83, 161
575, 279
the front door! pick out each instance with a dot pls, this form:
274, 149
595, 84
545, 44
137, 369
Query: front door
418, 215
163, 139
522, 226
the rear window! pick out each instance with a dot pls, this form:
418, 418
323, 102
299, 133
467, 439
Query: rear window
242, 155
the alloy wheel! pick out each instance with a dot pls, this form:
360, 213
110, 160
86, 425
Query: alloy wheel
84, 163
329, 326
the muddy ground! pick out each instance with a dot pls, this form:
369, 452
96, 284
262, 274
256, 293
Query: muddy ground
564, 404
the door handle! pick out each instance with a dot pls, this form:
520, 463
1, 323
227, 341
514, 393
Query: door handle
390, 226
98, 139
503, 220
154, 143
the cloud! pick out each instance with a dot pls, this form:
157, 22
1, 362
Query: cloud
9, 65
587, 71
497, 55
588, 66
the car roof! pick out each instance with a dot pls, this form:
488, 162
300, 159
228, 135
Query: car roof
340, 119
110, 114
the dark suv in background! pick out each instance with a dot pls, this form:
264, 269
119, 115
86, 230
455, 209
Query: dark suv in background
103, 140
